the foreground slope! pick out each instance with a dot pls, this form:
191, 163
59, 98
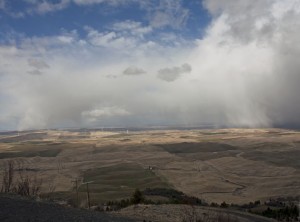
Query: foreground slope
15, 209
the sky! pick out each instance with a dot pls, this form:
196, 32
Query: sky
147, 63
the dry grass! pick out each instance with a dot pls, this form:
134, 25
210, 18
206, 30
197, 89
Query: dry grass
181, 213
233, 165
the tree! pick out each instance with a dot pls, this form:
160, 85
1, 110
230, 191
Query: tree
26, 185
137, 197
8, 177
224, 205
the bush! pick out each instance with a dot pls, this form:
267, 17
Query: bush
8, 177
224, 204
174, 196
137, 197
288, 213
25, 184
192, 214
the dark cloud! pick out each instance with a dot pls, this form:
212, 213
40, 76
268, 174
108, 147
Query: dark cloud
171, 74
133, 71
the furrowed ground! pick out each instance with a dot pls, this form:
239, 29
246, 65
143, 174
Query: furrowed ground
232, 165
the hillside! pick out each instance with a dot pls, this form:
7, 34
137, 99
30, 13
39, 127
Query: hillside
13, 209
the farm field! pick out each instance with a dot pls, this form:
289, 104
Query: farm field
232, 165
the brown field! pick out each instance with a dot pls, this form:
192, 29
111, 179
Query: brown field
232, 165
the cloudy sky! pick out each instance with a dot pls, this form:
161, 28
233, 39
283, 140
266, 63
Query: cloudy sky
95, 63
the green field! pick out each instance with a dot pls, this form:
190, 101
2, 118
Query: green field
38, 148
31, 153
119, 181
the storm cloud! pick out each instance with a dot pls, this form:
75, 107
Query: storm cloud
243, 72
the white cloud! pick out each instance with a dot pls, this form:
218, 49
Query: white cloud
132, 28
32, 118
88, 2
243, 72
37, 63
130, 43
109, 39
166, 13
281, 8
43, 7
65, 39
111, 2
159, 13
104, 112
7, 10
46, 6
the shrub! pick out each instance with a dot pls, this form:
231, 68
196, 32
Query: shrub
25, 184
137, 197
